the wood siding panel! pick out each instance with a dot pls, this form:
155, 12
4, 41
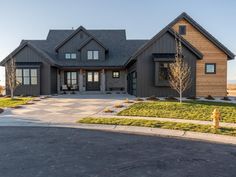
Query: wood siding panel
207, 84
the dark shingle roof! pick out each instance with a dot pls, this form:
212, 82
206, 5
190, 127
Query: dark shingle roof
119, 49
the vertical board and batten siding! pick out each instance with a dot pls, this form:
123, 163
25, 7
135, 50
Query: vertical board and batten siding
207, 84
115, 82
72, 46
43, 87
146, 68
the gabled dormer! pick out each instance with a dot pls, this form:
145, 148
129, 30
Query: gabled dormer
80, 45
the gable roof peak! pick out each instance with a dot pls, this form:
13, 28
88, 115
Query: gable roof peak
204, 32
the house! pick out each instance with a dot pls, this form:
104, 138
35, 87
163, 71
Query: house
86, 60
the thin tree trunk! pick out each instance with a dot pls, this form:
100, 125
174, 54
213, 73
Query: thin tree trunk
12, 93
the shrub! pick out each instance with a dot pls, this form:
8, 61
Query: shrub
192, 98
152, 98
1, 110
226, 98
1, 90
118, 105
171, 98
138, 99
209, 97
16, 107
108, 92
128, 101
107, 110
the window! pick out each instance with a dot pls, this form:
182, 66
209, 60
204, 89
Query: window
26, 76
210, 68
33, 76
90, 77
115, 74
71, 78
93, 55
163, 71
19, 76
182, 30
70, 56
96, 77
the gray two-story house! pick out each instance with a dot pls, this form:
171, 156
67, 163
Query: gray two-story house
85, 60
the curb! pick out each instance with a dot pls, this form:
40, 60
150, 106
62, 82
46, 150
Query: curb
158, 132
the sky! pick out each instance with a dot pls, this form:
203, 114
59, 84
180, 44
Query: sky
31, 19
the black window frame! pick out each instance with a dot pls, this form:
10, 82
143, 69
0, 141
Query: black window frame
93, 52
207, 72
182, 29
70, 56
116, 77
70, 78
29, 76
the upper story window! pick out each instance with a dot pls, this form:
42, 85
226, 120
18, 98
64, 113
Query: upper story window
70, 56
182, 29
210, 68
116, 74
93, 55
27, 76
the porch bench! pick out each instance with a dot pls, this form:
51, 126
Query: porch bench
116, 88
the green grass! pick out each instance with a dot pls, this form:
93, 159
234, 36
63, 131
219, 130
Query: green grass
160, 124
194, 110
8, 102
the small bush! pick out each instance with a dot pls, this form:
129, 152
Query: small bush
171, 98
107, 110
192, 98
118, 105
209, 97
1, 110
128, 101
36, 100
139, 99
108, 92
1, 90
152, 98
226, 98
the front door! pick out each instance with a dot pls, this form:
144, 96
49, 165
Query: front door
92, 81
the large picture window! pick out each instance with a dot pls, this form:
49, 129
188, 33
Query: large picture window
27, 76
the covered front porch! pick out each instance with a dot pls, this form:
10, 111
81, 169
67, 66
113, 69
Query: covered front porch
91, 80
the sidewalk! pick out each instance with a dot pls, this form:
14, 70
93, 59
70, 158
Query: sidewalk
223, 124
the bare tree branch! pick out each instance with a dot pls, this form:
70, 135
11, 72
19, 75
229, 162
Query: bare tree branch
179, 71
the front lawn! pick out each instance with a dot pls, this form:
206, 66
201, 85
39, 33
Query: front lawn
8, 102
160, 124
195, 110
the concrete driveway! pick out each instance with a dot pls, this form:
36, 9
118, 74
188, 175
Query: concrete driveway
63, 109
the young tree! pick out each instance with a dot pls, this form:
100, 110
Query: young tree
179, 71
11, 81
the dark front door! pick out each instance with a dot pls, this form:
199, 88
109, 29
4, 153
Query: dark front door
132, 83
92, 81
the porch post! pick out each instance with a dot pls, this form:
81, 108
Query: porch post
58, 81
103, 81
81, 80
